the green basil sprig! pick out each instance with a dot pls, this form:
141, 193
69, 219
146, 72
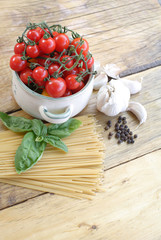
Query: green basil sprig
36, 138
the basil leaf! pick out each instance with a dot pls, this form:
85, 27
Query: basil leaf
28, 153
16, 124
56, 142
37, 127
65, 129
40, 129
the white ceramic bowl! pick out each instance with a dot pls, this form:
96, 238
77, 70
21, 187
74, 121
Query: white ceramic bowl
53, 110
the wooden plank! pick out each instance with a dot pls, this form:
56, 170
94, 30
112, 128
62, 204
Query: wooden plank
11, 195
126, 32
130, 208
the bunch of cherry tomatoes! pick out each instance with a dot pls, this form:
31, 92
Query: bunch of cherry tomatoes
48, 62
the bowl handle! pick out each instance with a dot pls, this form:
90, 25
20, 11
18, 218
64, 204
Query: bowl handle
55, 117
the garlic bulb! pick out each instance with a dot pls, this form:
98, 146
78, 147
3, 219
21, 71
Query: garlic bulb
133, 86
138, 110
100, 80
113, 98
112, 70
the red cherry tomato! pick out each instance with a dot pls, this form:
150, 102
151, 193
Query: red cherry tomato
42, 61
17, 64
34, 35
82, 70
33, 51
27, 72
74, 71
65, 59
72, 82
62, 42
56, 87
90, 63
67, 93
55, 34
81, 85
19, 48
53, 68
40, 31
47, 45
84, 46
39, 74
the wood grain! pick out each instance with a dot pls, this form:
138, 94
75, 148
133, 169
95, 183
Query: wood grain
130, 208
126, 32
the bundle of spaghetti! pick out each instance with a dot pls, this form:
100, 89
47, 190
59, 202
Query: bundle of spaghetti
77, 173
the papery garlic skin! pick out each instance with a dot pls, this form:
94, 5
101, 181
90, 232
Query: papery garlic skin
133, 86
138, 110
113, 98
112, 70
100, 80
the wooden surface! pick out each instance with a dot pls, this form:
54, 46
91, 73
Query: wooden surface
127, 33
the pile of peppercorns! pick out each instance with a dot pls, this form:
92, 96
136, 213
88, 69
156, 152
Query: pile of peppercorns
122, 131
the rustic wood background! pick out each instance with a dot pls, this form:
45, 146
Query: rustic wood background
127, 33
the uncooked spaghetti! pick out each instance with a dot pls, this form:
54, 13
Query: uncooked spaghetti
77, 173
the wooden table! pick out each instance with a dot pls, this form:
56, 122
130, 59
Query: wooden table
127, 33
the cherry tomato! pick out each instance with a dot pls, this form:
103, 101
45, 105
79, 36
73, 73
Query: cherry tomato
56, 55
27, 72
17, 64
34, 35
19, 48
56, 87
47, 45
90, 62
67, 93
55, 34
82, 70
72, 82
53, 68
40, 31
62, 42
64, 59
84, 46
81, 85
74, 71
33, 51
42, 61
39, 74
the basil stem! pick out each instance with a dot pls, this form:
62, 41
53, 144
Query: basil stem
16, 124
56, 142
65, 129
28, 153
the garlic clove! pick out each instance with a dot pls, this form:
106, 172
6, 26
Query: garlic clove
100, 80
97, 66
133, 86
138, 110
112, 70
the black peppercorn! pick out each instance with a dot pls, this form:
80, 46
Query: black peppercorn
109, 123
117, 135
